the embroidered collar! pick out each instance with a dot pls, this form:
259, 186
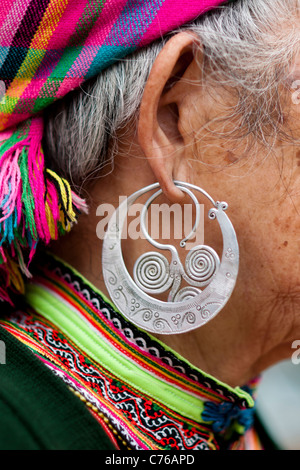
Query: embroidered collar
155, 398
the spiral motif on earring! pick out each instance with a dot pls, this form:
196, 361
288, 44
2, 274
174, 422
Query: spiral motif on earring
186, 293
201, 264
152, 273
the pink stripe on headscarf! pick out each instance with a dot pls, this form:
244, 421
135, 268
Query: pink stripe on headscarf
104, 24
64, 30
11, 15
189, 10
94, 41
61, 38
4, 10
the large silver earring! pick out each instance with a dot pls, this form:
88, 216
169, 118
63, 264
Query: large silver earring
189, 307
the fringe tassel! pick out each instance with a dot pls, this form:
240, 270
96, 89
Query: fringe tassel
35, 204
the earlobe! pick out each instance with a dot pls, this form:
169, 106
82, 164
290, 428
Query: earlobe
159, 135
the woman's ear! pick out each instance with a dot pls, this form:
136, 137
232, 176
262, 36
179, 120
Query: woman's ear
160, 135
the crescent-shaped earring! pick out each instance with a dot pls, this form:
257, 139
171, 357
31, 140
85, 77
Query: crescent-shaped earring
210, 281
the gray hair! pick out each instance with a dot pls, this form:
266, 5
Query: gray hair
248, 47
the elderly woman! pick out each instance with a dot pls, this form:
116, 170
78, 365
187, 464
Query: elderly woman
203, 102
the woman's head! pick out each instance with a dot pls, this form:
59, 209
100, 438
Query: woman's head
211, 105
47, 50
246, 51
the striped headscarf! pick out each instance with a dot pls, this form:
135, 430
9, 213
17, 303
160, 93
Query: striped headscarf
48, 48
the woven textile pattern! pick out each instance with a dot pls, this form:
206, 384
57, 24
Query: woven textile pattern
49, 47
163, 411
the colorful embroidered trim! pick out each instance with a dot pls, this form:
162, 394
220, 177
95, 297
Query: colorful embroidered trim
167, 411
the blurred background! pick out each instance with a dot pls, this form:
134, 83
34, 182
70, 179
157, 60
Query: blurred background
278, 404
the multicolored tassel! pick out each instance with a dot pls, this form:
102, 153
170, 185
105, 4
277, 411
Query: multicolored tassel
35, 203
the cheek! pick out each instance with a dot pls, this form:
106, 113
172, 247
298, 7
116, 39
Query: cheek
270, 251
287, 250
263, 195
